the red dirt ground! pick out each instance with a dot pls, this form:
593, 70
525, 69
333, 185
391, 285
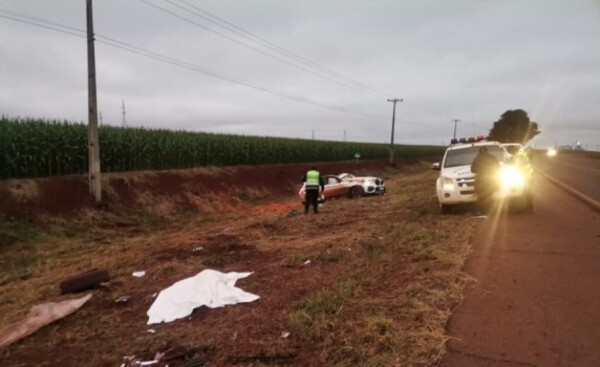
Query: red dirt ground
68, 195
261, 238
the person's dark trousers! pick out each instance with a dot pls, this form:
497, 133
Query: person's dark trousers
312, 198
485, 192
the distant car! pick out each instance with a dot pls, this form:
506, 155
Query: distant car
347, 185
512, 148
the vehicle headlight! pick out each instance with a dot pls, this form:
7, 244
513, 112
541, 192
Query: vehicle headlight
511, 177
551, 152
447, 183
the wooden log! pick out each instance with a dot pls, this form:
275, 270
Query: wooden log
89, 279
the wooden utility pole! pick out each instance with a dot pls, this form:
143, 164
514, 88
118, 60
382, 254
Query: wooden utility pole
124, 114
395, 100
95, 181
455, 122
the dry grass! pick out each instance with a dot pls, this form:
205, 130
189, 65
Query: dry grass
383, 277
23, 190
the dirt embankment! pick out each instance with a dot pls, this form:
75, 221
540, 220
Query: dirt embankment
164, 192
367, 282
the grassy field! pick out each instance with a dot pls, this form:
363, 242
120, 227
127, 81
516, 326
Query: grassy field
368, 282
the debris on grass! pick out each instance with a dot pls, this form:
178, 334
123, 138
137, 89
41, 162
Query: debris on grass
292, 213
123, 299
138, 274
40, 316
82, 282
208, 288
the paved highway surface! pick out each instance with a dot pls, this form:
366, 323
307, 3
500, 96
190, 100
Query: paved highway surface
580, 172
536, 299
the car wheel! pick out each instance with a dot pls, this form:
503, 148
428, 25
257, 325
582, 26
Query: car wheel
355, 192
446, 209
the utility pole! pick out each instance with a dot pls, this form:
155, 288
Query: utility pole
344, 136
123, 111
313, 134
94, 178
100, 118
395, 100
455, 122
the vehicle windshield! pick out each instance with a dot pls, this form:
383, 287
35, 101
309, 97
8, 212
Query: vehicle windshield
463, 157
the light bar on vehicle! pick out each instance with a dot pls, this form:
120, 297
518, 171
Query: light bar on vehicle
471, 139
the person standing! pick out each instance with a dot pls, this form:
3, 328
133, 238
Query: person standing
485, 167
313, 185
523, 163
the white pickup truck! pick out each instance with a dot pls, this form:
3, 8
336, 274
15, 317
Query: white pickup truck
456, 183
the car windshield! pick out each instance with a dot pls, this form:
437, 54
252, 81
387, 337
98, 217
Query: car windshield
463, 157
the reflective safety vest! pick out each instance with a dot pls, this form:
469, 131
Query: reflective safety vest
312, 179
522, 161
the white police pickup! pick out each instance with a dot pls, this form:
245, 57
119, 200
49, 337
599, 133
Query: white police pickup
456, 183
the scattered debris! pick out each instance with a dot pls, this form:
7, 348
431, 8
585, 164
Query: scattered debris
84, 281
293, 213
307, 262
151, 331
139, 274
285, 334
200, 248
123, 299
479, 217
208, 288
40, 316
147, 363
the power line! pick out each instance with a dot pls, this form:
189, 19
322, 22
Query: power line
111, 42
320, 74
265, 43
42, 26
169, 60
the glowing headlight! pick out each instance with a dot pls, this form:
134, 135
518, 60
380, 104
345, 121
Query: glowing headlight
447, 183
511, 177
551, 152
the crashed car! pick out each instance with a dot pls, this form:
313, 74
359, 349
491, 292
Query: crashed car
369, 185
347, 185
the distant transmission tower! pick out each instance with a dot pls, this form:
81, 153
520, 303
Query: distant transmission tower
124, 113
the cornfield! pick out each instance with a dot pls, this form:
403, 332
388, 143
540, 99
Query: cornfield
35, 148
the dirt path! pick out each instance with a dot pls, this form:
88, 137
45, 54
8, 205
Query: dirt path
536, 301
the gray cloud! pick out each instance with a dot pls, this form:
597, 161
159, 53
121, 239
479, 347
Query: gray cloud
447, 59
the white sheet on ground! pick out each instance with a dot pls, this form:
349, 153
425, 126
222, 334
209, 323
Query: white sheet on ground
208, 288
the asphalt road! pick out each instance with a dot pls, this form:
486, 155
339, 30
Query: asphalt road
579, 172
536, 299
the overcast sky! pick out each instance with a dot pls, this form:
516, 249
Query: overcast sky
467, 60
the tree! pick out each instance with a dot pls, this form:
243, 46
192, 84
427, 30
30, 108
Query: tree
514, 126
